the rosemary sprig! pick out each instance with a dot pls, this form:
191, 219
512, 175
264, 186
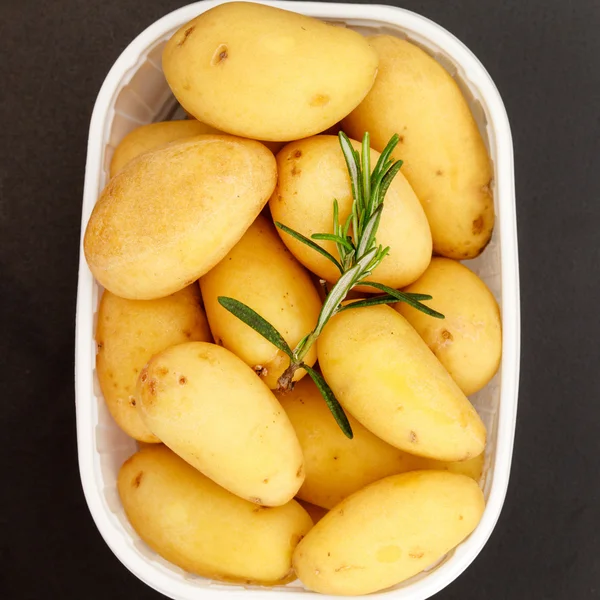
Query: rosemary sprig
359, 255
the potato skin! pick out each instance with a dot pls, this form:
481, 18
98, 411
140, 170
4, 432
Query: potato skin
388, 532
151, 136
260, 272
266, 73
384, 374
210, 408
337, 466
445, 159
468, 342
204, 529
312, 172
128, 334
171, 214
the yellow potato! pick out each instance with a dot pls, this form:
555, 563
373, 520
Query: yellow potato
154, 135
468, 342
266, 73
316, 512
195, 524
444, 156
260, 272
388, 532
128, 334
337, 466
384, 374
172, 214
212, 410
312, 172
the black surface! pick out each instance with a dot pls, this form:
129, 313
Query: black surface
545, 58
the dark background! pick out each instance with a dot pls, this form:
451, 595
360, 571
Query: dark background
544, 55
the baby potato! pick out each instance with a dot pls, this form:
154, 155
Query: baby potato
260, 272
384, 374
172, 214
128, 334
468, 342
388, 532
312, 172
445, 158
265, 73
195, 524
210, 408
154, 135
337, 466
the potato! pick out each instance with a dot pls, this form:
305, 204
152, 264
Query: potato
445, 159
212, 410
195, 524
388, 532
468, 342
337, 466
312, 172
128, 334
260, 272
384, 374
172, 214
316, 513
154, 135
266, 73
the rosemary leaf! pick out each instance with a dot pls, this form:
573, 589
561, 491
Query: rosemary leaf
259, 324
370, 230
402, 297
376, 300
387, 180
310, 244
334, 406
353, 166
333, 238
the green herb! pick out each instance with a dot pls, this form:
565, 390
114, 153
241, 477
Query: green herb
359, 255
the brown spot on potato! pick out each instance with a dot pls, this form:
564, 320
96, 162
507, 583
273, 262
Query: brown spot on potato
460, 517
487, 188
320, 100
182, 380
413, 437
162, 371
400, 139
478, 224
186, 35
99, 346
335, 458
416, 554
132, 401
221, 55
152, 387
447, 335
296, 170
218, 341
295, 539
144, 375
297, 153
341, 512
187, 333
255, 499
266, 480
300, 471
439, 172
138, 479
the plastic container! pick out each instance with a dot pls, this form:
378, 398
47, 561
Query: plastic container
135, 92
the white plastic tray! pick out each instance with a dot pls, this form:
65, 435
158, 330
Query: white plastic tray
134, 93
